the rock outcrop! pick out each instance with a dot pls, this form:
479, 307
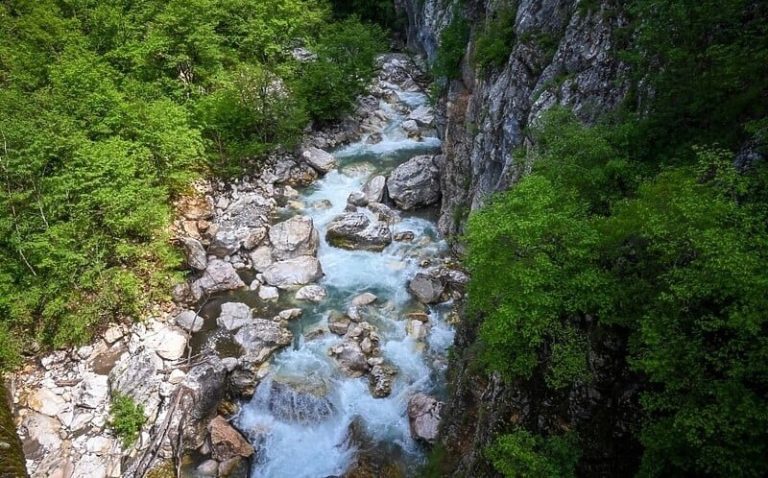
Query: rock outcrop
415, 183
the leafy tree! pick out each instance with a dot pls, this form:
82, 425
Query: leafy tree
521, 454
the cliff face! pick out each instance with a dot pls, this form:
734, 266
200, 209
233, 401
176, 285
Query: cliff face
564, 54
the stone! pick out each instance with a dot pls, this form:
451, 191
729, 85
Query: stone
350, 358
415, 183
338, 323
354, 230
364, 299
225, 242
99, 445
261, 258
320, 160
182, 294
375, 188
380, 379
269, 293
423, 115
424, 417
189, 321
261, 338
255, 236
416, 329
137, 377
208, 468
384, 212
176, 377
226, 442
229, 363
113, 334
311, 293
357, 199
47, 402
170, 343
404, 236
425, 288
41, 435
411, 127
293, 273
234, 315
93, 391
219, 276
290, 314
293, 238
194, 253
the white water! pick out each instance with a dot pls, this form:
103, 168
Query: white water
327, 447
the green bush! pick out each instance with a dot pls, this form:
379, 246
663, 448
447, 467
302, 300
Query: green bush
453, 46
495, 42
126, 419
523, 455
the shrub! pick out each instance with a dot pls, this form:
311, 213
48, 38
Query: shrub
494, 44
453, 45
126, 418
521, 454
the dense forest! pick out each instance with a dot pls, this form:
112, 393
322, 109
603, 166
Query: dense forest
112, 108
649, 226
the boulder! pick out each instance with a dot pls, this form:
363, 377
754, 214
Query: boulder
226, 442
354, 230
338, 323
380, 379
404, 236
423, 115
194, 253
293, 273
416, 329
426, 288
189, 321
357, 199
311, 293
415, 183
424, 417
219, 276
261, 258
267, 292
350, 357
234, 315
364, 299
320, 160
137, 377
169, 343
411, 127
261, 338
293, 238
290, 314
375, 188
226, 242
94, 391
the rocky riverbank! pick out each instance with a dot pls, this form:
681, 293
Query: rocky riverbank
253, 262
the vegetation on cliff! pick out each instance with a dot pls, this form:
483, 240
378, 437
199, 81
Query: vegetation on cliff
646, 226
110, 108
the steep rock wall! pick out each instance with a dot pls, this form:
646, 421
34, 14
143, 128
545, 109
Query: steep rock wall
564, 54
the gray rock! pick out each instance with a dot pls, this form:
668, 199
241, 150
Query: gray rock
411, 127
137, 377
357, 199
269, 293
94, 391
424, 417
170, 343
354, 230
294, 272
189, 321
426, 288
311, 293
375, 188
422, 115
234, 315
219, 276
350, 358
381, 378
293, 238
320, 160
195, 253
415, 183
261, 338
226, 242
338, 323
363, 299
261, 258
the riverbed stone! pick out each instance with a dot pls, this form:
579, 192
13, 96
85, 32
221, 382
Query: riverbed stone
234, 315
219, 276
364, 299
350, 358
320, 160
424, 417
261, 258
169, 343
311, 293
194, 253
137, 377
426, 288
355, 230
94, 391
338, 323
226, 442
293, 238
189, 321
415, 183
375, 188
261, 338
423, 115
269, 293
357, 199
381, 379
293, 273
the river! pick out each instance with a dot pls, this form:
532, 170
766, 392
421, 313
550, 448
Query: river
342, 426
